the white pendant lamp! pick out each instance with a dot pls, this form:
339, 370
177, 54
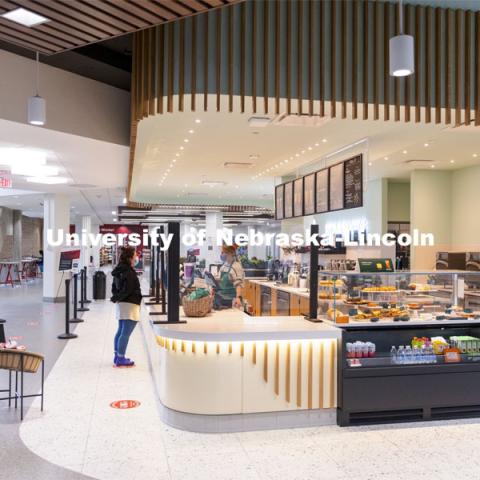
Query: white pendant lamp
402, 55
37, 114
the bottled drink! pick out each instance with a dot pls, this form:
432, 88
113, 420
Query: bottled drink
408, 355
424, 355
401, 355
416, 355
393, 355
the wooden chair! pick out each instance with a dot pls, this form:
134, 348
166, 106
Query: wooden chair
21, 362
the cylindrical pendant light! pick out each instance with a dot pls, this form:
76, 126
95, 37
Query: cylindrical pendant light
402, 51
36, 111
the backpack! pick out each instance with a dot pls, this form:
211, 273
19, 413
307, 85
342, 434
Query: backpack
118, 286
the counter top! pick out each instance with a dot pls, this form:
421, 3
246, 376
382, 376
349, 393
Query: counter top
303, 292
234, 325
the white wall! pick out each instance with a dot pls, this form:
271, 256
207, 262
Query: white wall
75, 104
431, 212
398, 201
465, 228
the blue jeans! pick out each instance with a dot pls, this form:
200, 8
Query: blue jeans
125, 329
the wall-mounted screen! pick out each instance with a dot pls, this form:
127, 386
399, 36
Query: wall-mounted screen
309, 194
322, 191
288, 200
279, 213
298, 197
336, 187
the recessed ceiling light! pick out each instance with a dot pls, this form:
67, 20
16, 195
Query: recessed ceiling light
177, 154
303, 151
369, 164
197, 120
452, 161
324, 140
191, 131
181, 148
24, 17
114, 219
426, 144
404, 152
309, 148
432, 166
297, 154
125, 200
385, 158
174, 160
286, 161
317, 144
475, 155
114, 212
185, 140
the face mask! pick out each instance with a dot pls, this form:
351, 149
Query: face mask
223, 257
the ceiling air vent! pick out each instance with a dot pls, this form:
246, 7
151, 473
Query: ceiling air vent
242, 165
258, 122
213, 183
286, 120
418, 163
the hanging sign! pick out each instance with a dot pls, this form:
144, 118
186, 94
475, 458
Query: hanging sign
5, 179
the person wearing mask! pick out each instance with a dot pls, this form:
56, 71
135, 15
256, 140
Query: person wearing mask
230, 280
127, 296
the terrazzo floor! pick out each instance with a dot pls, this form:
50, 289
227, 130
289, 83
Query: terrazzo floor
81, 432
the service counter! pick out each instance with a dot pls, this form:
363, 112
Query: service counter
230, 371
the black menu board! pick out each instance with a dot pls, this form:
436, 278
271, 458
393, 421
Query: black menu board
279, 214
288, 205
309, 194
322, 191
336, 187
298, 197
353, 190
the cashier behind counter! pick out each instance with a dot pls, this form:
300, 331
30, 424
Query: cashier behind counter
230, 280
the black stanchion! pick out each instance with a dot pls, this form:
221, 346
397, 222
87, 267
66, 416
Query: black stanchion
67, 335
82, 308
85, 282
155, 300
152, 271
75, 318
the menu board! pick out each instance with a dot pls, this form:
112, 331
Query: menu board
288, 205
336, 187
309, 194
322, 191
353, 182
279, 213
298, 197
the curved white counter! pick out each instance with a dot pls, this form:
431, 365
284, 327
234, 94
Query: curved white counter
246, 372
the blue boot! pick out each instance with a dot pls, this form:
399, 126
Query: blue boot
124, 362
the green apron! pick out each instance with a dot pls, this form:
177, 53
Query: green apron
227, 291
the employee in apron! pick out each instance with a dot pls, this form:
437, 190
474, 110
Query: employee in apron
230, 280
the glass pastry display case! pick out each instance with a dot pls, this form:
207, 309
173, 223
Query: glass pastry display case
396, 297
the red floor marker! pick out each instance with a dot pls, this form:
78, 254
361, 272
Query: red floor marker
125, 404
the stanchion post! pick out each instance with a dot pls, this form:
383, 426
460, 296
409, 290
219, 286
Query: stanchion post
159, 279
313, 304
67, 335
85, 276
154, 275
75, 318
82, 308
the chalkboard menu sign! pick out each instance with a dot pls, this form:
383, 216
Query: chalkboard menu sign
279, 213
336, 187
309, 194
322, 191
298, 197
353, 183
288, 205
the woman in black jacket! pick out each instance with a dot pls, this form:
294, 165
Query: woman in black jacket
127, 296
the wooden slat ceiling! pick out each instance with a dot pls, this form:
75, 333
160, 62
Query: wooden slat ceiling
75, 23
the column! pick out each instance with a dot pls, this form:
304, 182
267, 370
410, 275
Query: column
86, 251
56, 216
214, 222
95, 250
17, 234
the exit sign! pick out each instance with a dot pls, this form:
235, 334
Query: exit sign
5, 179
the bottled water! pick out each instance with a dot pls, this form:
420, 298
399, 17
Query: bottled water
416, 355
408, 355
401, 355
393, 355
